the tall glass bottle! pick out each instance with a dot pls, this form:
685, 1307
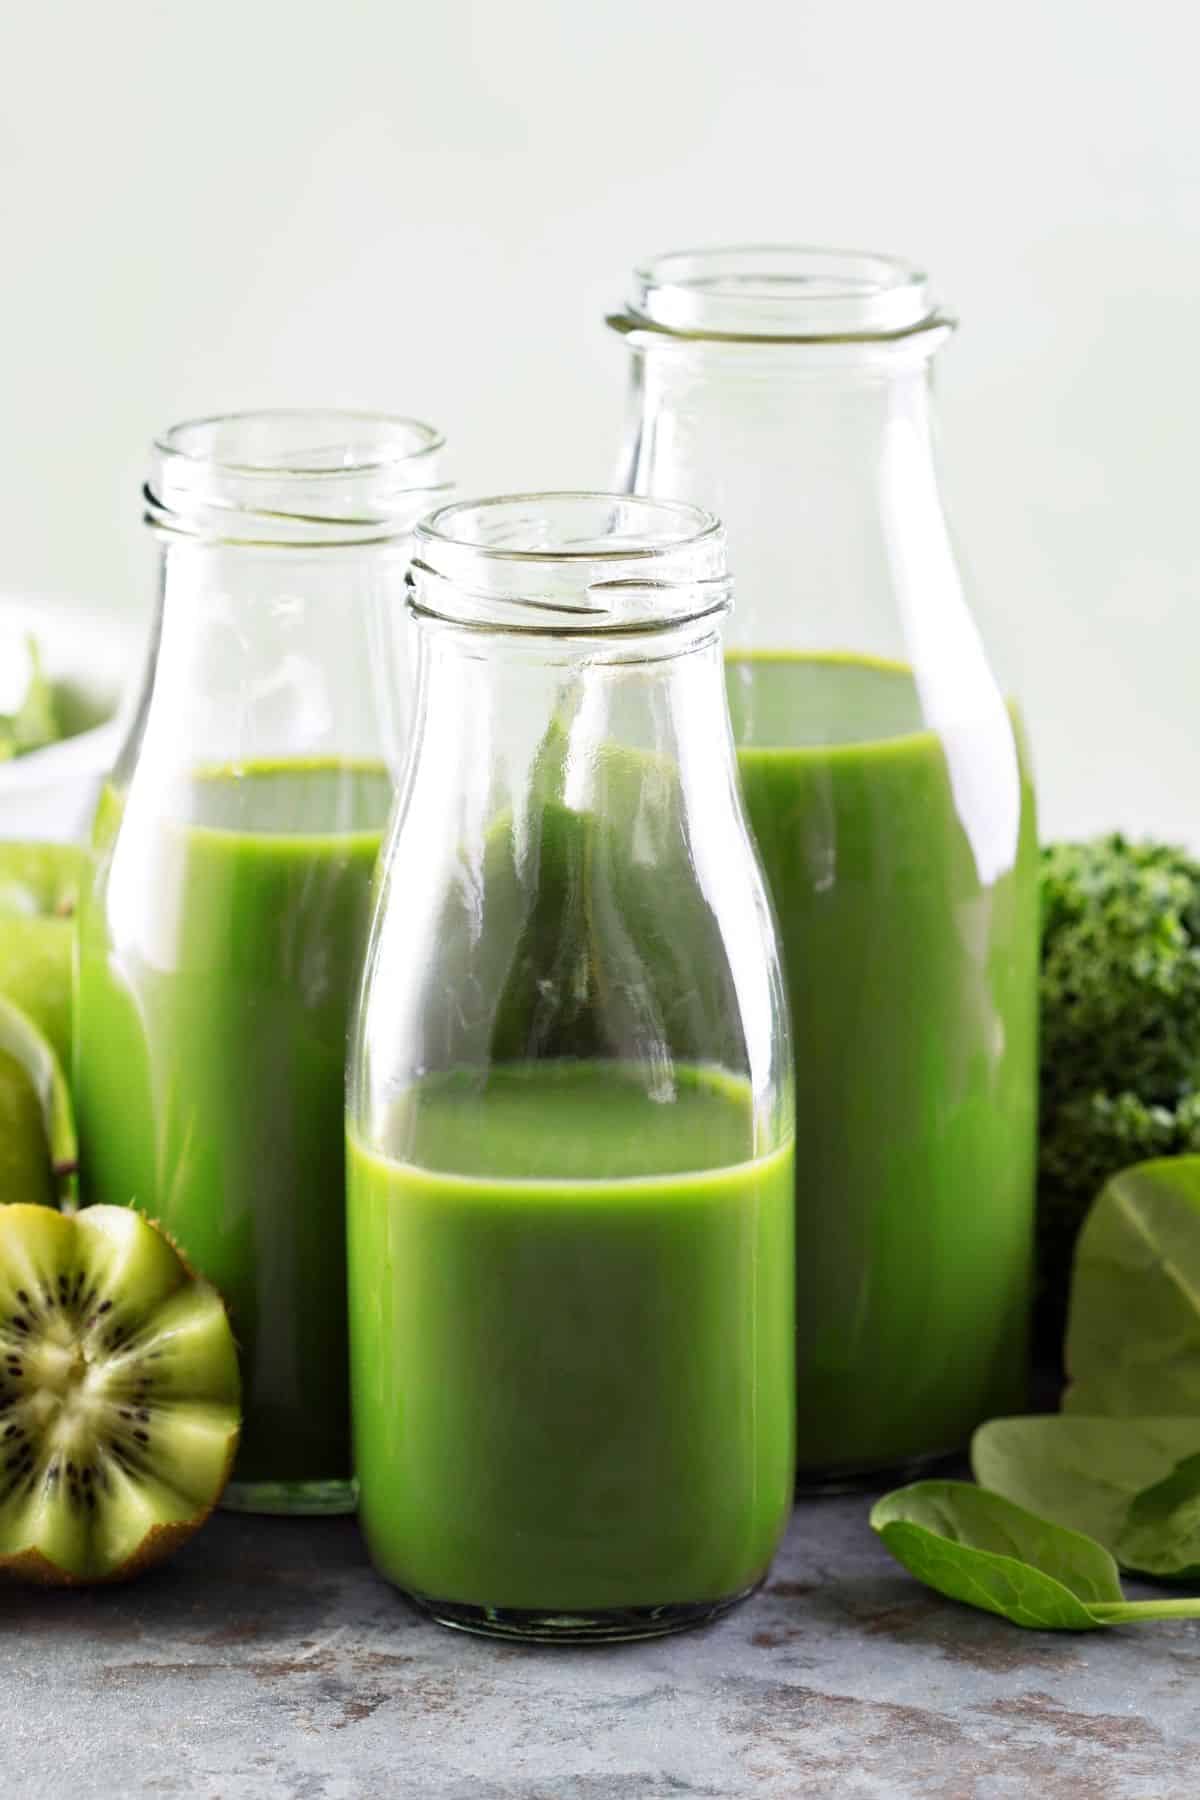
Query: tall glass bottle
887, 780
222, 930
570, 1115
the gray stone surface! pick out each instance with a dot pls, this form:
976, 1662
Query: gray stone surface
269, 1663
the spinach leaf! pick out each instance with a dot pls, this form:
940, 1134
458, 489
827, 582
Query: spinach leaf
1161, 1532
1082, 1473
34, 723
977, 1547
1133, 1336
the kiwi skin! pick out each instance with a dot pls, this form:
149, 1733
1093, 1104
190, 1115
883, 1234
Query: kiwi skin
107, 1294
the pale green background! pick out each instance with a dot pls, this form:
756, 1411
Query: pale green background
428, 208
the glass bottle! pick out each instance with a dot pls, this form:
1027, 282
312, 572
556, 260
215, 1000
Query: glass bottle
570, 1114
887, 780
223, 926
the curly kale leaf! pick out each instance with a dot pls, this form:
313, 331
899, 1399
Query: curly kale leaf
1120, 971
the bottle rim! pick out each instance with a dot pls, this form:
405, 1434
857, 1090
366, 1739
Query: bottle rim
284, 477
397, 439
781, 293
575, 562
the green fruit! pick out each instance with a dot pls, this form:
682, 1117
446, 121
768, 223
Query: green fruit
24, 1152
39, 891
38, 1150
119, 1395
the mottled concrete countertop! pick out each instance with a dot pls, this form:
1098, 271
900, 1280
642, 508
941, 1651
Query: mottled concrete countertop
268, 1661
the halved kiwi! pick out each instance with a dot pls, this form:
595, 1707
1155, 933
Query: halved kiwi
38, 1151
119, 1395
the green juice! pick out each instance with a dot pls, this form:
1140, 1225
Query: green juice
219, 953
912, 977
571, 1340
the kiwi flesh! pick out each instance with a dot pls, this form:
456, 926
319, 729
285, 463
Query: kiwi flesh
119, 1395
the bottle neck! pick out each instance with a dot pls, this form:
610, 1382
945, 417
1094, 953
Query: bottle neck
505, 726
284, 537
586, 867
560, 633
269, 654
820, 462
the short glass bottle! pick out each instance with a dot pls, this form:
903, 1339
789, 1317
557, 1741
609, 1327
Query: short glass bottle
222, 929
887, 780
570, 1113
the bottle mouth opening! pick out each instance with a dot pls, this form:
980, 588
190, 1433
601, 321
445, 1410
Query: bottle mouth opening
785, 292
299, 444
285, 477
565, 564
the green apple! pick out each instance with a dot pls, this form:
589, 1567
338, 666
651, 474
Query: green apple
39, 889
25, 1172
38, 1147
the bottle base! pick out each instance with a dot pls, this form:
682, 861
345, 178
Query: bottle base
811, 1484
609, 1625
302, 1499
